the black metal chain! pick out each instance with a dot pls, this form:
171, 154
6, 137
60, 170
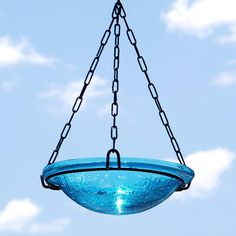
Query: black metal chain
152, 88
115, 83
79, 99
118, 12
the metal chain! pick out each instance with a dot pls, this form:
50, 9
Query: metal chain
115, 83
79, 99
152, 88
118, 12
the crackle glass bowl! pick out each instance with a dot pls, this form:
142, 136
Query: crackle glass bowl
137, 186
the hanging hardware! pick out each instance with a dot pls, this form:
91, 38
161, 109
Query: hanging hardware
115, 83
109, 156
118, 11
49, 186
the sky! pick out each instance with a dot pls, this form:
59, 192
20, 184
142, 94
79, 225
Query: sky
46, 49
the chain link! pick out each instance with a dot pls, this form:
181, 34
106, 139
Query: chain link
79, 99
115, 84
152, 88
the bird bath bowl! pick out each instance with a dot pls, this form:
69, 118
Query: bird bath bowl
138, 185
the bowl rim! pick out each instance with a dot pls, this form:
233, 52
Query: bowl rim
171, 169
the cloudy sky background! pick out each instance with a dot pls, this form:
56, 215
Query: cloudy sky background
45, 51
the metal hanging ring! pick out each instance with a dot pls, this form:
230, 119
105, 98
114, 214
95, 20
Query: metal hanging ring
113, 150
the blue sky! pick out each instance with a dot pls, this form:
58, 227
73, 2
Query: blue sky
45, 52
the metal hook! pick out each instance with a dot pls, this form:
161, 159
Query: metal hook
46, 185
117, 156
182, 188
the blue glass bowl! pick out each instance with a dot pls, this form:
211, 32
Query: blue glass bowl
137, 186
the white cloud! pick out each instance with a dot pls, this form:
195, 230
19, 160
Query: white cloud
225, 79
54, 226
66, 95
209, 166
203, 17
17, 214
12, 53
